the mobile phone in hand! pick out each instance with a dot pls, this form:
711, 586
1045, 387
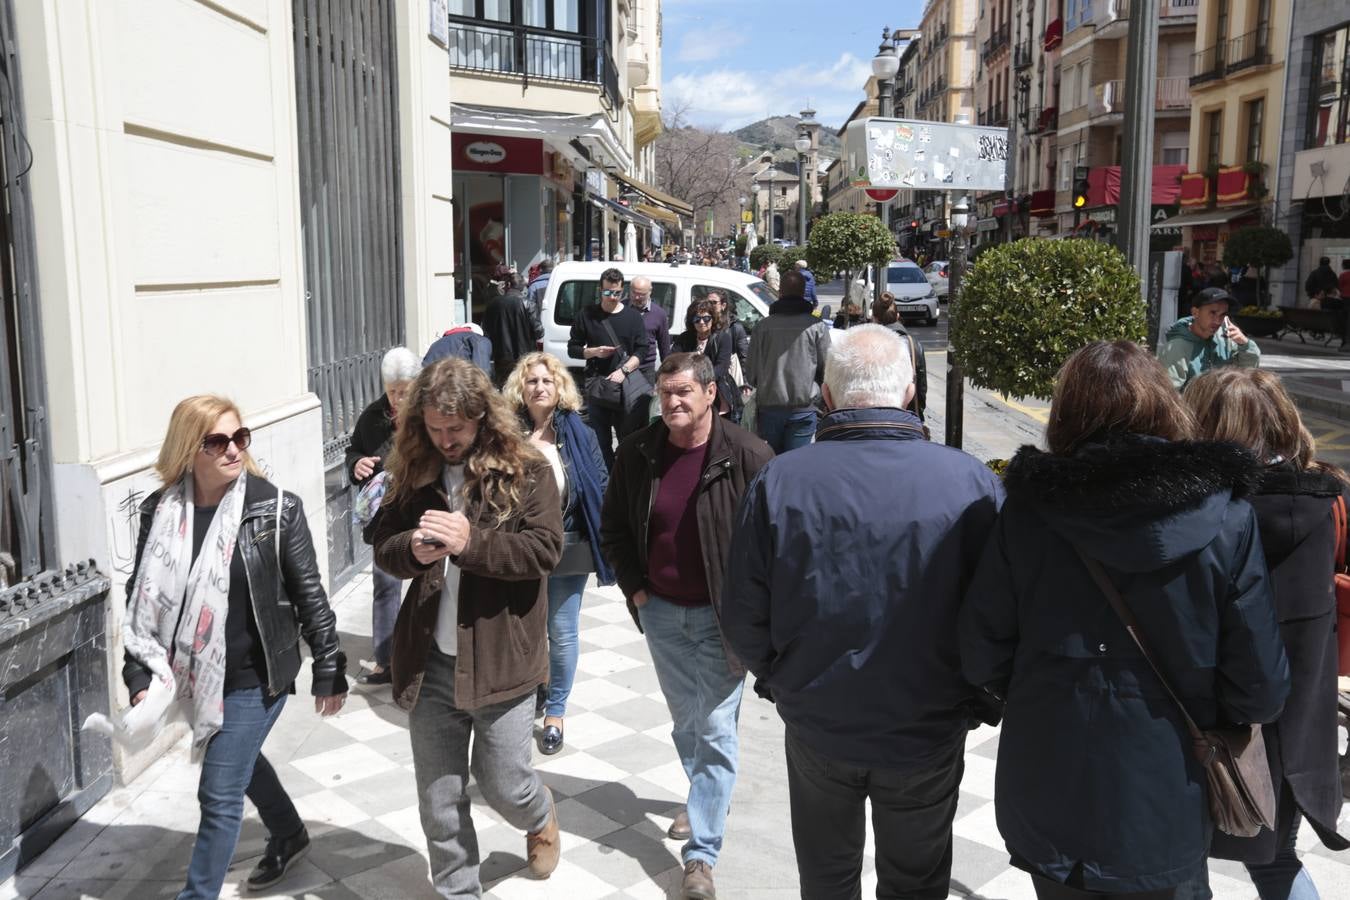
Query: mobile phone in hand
430, 542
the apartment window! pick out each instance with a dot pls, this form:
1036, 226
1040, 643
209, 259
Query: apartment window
551, 15
1174, 148
1065, 168
1221, 23
1328, 113
1070, 15
1213, 137
1255, 115
1262, 26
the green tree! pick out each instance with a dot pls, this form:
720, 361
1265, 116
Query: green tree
1025, 307
848, 242
763, 254
1257, 245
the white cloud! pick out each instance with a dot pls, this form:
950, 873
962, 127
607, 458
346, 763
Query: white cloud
731, 98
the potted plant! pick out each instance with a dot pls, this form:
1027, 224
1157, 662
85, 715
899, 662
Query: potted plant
1025, 307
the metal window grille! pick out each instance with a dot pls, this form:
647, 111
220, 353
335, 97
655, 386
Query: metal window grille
27, 526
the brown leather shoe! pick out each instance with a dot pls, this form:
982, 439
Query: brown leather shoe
698, 882
679, 829
542, 848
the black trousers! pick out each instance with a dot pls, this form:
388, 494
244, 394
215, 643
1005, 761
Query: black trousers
1049, 889
606, 422
912, 815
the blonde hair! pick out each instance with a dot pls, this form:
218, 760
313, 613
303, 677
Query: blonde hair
495, 468
191, 420
1250, 407
569, 398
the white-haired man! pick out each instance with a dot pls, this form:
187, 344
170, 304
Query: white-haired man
845, 574
810, 281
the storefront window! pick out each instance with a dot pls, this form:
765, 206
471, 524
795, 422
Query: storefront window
1329, 104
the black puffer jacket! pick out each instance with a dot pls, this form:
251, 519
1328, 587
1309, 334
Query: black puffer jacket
1293, 510
283, 611
1096, 779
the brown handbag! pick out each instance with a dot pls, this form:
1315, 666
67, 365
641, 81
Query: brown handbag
1241, 793
1341, 581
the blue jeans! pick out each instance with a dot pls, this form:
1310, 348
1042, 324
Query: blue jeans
705, 702
564, 611
233, 768
383, 613
786, 429
1284, 877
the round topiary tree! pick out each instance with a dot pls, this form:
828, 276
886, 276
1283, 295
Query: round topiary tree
848, 242
1257, 245
1025, 307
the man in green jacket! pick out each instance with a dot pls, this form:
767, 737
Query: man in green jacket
1206, 339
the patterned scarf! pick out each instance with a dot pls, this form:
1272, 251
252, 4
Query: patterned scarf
175, 623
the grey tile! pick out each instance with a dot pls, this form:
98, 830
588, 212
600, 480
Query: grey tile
640, 713
344, 852
974, 864
632, 753
989, 749
629, 801
394, 747
625, 857
383, 793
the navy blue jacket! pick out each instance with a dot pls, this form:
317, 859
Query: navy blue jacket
847, 569
1095, 770
462, 343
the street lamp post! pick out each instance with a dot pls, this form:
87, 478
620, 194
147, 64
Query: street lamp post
885, 66
742, 232
803, 145
955, 377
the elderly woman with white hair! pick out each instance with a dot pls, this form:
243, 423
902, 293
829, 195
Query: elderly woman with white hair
371, 442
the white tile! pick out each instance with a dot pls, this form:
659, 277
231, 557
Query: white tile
407, 824
979, 776
597, 693
364, 724
980, 826
668, 775
164, 809
344, 765
403, 879
606, 662
612, 613
979, 736
587, 730
610, 635
568, 880
327, 808
1011, 884
582, 765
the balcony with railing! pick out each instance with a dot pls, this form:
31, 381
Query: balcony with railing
1228, 57
996, 41
533, 55
1022, 56
1108, 98
1042, 119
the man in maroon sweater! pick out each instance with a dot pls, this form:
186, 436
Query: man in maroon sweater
665, 527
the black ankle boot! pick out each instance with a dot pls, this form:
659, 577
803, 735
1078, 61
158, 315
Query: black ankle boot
277, 858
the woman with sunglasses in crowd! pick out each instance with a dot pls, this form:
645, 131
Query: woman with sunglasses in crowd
224, 585
703, 333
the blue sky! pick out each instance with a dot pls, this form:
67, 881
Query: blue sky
737, 61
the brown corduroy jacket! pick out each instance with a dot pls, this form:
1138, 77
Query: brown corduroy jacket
503, 605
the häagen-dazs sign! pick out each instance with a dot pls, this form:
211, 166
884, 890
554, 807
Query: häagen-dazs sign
486, 152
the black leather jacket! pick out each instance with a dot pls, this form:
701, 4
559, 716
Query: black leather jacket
284, 613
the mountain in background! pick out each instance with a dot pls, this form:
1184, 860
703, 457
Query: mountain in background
778, 132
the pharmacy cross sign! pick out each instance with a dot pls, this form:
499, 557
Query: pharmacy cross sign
915, 154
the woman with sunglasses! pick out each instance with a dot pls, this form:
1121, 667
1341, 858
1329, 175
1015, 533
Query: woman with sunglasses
224, 585
703, 333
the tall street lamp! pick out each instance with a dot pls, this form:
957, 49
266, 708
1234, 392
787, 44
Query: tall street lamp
803, 145
955, 376
885, 66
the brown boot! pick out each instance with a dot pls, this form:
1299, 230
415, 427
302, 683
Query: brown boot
542, 848
679, 829
698, 881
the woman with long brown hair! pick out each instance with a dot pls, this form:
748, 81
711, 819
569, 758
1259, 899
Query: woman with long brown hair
1098, 793
224, 584
474, 518
1293, 503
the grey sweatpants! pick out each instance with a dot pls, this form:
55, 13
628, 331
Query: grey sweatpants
502, 744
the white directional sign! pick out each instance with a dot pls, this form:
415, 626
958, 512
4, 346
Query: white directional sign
915, 154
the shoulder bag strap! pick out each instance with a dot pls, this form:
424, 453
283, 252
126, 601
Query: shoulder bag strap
618, 347
1132, 626
1338, 517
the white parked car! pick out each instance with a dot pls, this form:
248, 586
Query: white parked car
914, 296
936, 273
573, 285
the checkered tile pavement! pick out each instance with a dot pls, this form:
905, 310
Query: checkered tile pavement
618, 784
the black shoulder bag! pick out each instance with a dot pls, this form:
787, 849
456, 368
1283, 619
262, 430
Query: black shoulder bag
617, 396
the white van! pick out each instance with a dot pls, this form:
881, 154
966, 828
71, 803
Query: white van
573, 285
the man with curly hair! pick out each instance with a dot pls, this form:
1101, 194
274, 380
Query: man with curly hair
474, 518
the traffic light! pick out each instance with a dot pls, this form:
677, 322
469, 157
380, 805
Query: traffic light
1080, 186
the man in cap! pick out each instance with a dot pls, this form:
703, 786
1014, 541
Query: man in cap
1206, 339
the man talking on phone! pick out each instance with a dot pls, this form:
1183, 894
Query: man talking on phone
612, 337
474, 519
1206, 339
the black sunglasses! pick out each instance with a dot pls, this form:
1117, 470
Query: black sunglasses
216, 443
702, 318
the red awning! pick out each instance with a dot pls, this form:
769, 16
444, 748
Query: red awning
1002, 208
1104, 185
1043, 203
1194, 189
1054, 34
1234, 185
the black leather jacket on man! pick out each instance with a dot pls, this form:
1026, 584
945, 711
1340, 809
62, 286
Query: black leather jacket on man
283, 612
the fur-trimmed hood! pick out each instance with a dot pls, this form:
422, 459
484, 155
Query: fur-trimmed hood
1137, 503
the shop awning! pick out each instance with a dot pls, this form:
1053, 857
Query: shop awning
660, 214
624, 212
660, 198
593, 131
1043, 203
1206, 217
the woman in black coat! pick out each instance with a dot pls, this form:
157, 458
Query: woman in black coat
1098, 791
1293, 506
703, 333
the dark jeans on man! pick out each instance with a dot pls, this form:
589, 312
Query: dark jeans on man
912, 815
607, 422
786, 428
1049, 889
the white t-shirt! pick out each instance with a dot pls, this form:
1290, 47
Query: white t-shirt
447, 620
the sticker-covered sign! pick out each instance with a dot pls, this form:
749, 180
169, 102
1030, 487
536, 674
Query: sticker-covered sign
930, 156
